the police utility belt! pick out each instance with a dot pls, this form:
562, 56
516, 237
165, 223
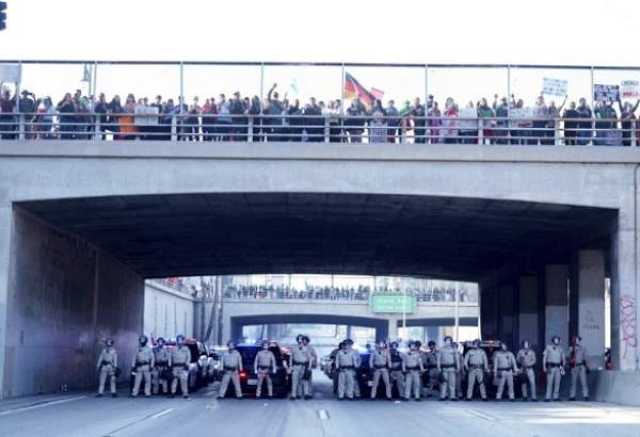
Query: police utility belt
475, 366
384, 366
553, 364
504, 369
413, 368
230, 369
448, 366
162, 363
301, 363
106, 363
142, 363
264, 367
346, 367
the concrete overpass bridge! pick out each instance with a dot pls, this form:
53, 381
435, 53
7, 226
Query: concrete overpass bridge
238, 313
83, 223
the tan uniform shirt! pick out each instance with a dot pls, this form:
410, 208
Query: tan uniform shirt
108, 356
447, 357
181, 355
378, 358
345, 358
144, 355
265, 358
504, 360
476, 358
580, 354
232, 359
163, 357
526, 357
412, 361
553, 355
300, 354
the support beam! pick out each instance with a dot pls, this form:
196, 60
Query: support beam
556, 302
528, 310
506, 320
588, 289
488, 313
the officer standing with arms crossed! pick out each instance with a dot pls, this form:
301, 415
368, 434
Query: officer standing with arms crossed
578, 364
180, 360
380, 362
504, 366
232, 366
265, 361
553, 363
526, 359
107, 365
412, 366
448, 367
346, 365
430, 360
143, 362
396, 374
159, 372
476, 364
300, 361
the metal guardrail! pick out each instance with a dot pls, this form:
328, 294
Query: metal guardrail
328, 128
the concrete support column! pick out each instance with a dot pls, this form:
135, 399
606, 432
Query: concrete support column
556, 302
488, 313
393, 330
432, 333
528, 310
588, 289
5, 244
624, 301
506, 321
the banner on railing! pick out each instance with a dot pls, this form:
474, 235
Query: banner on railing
555, 87
10, 73
602, 92
630, 89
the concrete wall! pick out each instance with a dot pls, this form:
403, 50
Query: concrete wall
64, 297
167, 312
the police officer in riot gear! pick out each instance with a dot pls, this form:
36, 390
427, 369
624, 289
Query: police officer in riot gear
346, 366
526, 359
143, 362
380, 362
412, 367
160, 375
504, 367
180, 361
300, 361
107, 368
553, 362
578, 365
264, 363
476, 364
396, 375
448, 363
430, 360
232, 366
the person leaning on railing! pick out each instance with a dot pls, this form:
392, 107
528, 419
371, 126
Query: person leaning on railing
628, 120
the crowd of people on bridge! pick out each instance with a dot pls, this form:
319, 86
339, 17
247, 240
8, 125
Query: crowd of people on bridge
360, 293
276, 118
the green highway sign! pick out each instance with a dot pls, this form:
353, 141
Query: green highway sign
392, 303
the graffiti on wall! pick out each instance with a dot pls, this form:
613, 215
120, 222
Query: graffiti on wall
628, 324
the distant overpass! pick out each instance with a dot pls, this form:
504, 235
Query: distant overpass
242, 312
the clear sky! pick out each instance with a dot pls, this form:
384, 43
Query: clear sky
463, 31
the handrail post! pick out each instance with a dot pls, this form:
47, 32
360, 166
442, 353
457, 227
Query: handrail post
96, 135
21, 135
250, 130
326, 129
174, 128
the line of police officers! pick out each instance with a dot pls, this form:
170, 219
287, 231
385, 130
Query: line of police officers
160, 368
446, 366
403, 371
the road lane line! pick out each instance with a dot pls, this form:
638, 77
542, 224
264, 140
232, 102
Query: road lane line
323, 414
41, 405
482, 415
161, 413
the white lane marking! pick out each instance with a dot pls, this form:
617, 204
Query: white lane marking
482, 415
323, 414
42, 405
161, 413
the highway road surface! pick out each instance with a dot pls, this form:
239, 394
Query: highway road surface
83, 415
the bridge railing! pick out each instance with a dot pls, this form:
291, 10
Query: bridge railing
327, 128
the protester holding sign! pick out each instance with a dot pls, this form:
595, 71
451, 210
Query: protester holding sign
553, 114
606, 124
628, 117
584, 127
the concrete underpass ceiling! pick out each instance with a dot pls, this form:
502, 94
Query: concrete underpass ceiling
239, 233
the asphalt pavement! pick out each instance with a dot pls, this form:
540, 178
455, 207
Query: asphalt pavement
83, 415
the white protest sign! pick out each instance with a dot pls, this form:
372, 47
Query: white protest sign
555, 87
10, 73
468, 118
606, 92
630, 89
